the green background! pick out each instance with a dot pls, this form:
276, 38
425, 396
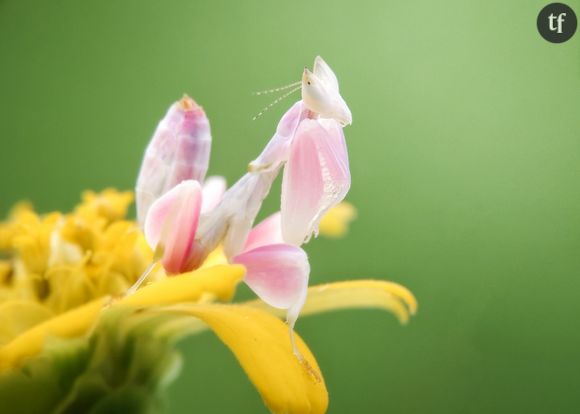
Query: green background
465, 158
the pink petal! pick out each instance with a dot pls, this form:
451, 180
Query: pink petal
278, 274
171, 224
213, 190
276, 151
269, 231
316, 178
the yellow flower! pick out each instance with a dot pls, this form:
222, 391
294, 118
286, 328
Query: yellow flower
335, 222
64, 313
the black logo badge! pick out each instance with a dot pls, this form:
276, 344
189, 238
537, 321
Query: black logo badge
557, 23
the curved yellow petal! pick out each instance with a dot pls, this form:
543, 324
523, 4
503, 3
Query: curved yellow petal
351, 294
73, 323
355, 294
261, 343
336, 220
17, 316
218, 281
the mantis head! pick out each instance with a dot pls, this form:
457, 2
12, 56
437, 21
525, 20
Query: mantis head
321, 95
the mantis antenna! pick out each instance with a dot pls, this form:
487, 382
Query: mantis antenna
278, 89
276, 101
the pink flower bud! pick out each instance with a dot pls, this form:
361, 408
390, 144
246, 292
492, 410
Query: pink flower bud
178, 151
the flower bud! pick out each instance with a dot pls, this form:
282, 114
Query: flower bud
178, 151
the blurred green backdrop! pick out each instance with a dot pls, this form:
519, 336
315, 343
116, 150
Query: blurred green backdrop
465, 157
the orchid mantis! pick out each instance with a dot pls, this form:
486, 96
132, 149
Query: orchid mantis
184, 219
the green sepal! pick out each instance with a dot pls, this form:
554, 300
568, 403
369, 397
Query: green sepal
123, 366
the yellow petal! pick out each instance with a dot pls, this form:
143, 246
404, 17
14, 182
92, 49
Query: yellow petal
67, 325
219, 281
216, 257
355, 294
261, 343
336, 220
17, 316
352, 294
5, 271
109, 204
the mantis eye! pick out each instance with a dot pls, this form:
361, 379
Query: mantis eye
307, 77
